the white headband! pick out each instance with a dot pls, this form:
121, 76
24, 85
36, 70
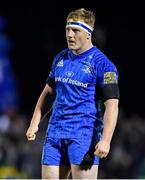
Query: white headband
81, 25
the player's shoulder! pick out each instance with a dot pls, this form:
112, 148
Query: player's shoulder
101, 58
60, 56
62, 53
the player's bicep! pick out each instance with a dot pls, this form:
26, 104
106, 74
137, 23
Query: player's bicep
108, 82
109, 91
48, 90
50, 81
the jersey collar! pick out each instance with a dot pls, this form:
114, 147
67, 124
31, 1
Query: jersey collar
82, 55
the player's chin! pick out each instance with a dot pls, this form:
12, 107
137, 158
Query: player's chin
72, 47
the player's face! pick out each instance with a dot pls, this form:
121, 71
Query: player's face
76, 39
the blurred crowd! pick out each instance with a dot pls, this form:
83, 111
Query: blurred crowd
22, 159
18, 157
127, 156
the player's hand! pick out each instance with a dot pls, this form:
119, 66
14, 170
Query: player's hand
31, 133
102, 149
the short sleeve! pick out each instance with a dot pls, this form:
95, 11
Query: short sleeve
107, 80
51, 77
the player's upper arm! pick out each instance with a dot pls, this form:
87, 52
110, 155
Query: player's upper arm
51, 82
111, 102
48, 90
107, 80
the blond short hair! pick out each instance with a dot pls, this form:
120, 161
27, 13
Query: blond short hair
84, 15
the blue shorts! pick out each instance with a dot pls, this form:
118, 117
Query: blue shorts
69, 151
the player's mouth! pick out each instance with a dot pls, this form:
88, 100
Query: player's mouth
70, 42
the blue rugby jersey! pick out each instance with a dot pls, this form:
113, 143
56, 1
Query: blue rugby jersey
75, 111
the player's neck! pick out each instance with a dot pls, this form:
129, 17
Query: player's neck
83, 48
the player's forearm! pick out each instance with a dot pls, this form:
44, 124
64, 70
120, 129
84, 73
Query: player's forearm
110, 119
46, 96
38, 111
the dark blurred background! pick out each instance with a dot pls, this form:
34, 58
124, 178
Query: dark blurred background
31, 33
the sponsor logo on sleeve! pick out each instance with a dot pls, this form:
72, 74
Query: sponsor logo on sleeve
110, 77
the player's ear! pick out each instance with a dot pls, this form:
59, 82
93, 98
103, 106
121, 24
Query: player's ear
88, 37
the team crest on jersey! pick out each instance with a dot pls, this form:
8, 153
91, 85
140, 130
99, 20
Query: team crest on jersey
87, 68
110, 77
60, 63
